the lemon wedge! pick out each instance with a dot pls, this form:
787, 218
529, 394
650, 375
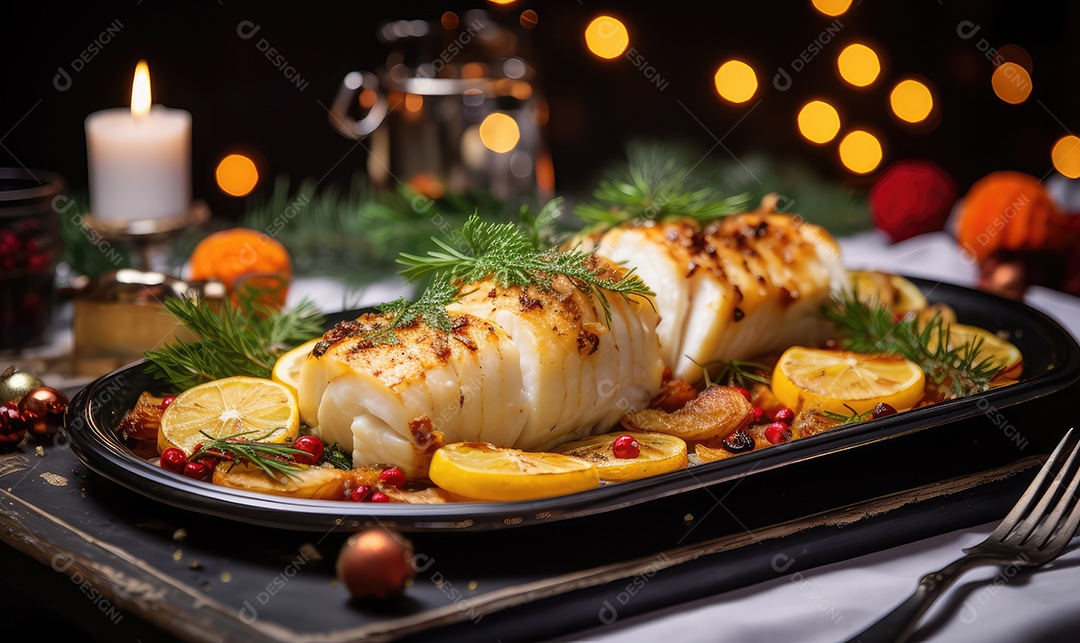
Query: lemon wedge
287, 368
829, 380
658, 453
483, 471
898, 294
229, 406
997, 350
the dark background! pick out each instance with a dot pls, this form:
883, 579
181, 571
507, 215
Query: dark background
239, 100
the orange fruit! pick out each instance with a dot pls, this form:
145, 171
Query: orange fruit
242, 258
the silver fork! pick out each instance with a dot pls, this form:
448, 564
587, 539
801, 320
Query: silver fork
1023, 539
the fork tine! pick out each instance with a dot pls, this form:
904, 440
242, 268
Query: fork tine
1032, 491
1024, 531
1052, 528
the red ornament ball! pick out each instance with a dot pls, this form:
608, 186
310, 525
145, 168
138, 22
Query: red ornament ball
43, 411
377, 563
912, 198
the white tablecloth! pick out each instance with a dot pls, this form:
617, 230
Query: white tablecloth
835, 602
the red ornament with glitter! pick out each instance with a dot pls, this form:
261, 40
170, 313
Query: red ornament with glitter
912, 198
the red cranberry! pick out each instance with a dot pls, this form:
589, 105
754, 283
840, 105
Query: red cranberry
197, 470
756, 416
777, 432
626, 447
9, 243
745, 393
174, 459
881, 410
165, 402
360, 493
379, 496
781, 414
312, 445
392, 477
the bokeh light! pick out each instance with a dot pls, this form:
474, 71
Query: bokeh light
449, 20
860, 152
818, 122
736, 81
237, 175
529, 19
1011, 83
911, 101
414, 102
499, 132
1011, 53
832, 7
606, 37
1066, 156
858, 64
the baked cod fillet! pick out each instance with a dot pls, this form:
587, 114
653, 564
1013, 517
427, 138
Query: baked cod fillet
523, 368
741, 286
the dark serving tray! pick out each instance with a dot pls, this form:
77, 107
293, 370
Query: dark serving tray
1051, 363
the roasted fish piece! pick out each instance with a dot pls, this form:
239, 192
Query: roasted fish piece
739, 287
521, 367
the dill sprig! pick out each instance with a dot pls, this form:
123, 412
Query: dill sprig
244, 339
657, 185
867, 327
430, 308
540, 227
272, 458
509, 256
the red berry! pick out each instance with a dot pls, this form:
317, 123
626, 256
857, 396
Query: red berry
360, 493
745, 393
312, 445
881, 410
392, 477
379, 496
781, 414
626, 447
777, 432
758, 412
167, 401
197, 470
174, 459
12, 425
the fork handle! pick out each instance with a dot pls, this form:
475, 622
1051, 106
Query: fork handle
897, 625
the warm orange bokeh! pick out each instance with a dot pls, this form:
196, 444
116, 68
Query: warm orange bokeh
243, 258
1010, 210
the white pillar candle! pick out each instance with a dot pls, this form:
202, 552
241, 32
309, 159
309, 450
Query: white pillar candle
139, 159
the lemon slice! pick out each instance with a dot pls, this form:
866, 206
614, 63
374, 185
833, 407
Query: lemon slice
658, 453
1000, 352
896, 293
810, 378
287, 368
226, 407
483, 471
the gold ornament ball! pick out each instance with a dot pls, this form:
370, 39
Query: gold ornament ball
14, 385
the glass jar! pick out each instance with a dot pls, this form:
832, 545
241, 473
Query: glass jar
30, 245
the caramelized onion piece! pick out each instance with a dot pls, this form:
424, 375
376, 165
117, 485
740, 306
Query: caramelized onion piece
715, 412
322, 483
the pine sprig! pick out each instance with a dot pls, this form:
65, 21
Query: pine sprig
540, 227
509, 256
872, 328
230, 340
272, 458
736, 373
657, 185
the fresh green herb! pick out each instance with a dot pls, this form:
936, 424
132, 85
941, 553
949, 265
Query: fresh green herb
736, 373
338, 457
540, 227
849, 419
656, 185
430, 308
503, 252
270, 457
872, 328
244, 339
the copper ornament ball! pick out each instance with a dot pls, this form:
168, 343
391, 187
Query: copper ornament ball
43, 411
374, 564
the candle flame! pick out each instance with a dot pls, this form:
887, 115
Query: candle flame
140, 91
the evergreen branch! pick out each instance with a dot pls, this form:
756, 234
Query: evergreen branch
230, 340
430, 309
270, 457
